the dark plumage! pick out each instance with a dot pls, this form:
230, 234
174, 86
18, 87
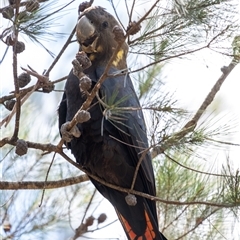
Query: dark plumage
114, 139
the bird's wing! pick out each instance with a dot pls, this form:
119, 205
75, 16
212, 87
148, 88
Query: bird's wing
119, 91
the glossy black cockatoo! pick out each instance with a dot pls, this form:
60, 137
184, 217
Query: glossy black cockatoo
114, 140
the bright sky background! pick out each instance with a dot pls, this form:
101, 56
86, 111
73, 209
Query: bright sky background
190, 79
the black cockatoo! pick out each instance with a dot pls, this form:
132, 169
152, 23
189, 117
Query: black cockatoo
113, 141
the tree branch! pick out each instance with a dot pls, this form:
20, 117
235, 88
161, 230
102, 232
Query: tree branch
190, 126
208, 100
61, 52
5, 185
82, 178
15, 77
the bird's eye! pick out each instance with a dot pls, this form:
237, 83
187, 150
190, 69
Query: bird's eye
105, 24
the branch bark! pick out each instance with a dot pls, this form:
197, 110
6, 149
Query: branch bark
27, 185
82, 178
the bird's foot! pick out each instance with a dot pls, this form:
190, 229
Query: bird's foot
77, 68
80, 63
83, 60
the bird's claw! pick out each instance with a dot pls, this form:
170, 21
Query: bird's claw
68, 135
77, 68
80, 63
83, 60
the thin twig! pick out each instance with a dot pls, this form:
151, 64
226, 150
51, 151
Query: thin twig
24, 91
208, 100
195, 170
137, 167
48, 171
222, 142
61, 52
99, 228
197, 224
82, 227
131, 13
7, 119
115, 11
40, 146
41, 78
15, 76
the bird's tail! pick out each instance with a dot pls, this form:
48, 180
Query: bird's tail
151, 231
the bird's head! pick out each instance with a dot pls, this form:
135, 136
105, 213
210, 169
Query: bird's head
94, 32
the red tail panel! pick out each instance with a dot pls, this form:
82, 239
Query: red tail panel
149, 233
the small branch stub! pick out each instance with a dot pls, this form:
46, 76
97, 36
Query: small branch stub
89, 221
224, 69
131, 200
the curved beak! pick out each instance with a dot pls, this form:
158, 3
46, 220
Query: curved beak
86, 34
84, 29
